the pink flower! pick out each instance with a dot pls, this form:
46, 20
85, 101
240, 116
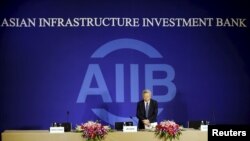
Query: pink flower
93, 130
168, 130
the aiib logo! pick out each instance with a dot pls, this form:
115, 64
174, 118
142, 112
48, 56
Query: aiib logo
94, 71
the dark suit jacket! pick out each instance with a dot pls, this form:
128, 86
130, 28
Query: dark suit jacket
141, 112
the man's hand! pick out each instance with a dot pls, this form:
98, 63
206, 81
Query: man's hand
146, 122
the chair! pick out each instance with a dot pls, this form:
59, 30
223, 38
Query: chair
118, 126
194, 124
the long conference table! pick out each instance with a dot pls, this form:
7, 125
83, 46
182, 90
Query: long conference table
45, 135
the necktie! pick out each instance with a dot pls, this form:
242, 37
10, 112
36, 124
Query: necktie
147, 108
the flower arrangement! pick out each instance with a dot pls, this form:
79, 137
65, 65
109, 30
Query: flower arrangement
168, 130
92, 131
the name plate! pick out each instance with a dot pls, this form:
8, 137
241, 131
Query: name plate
129, 128
204, 127
56, 130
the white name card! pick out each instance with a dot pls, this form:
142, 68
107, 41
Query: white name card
129, 128
204, 127
56, 130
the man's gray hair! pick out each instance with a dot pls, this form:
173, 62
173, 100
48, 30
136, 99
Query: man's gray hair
146, 91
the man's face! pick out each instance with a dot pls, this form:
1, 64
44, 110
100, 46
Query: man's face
146, 97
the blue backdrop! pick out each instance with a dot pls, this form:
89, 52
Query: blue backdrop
98, 73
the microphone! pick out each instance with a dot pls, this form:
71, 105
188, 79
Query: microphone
67, 116
67, 125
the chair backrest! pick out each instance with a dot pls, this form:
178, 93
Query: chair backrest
194, 124
129, 123
118, 126
67, 126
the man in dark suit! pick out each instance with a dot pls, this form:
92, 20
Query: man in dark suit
147, 110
